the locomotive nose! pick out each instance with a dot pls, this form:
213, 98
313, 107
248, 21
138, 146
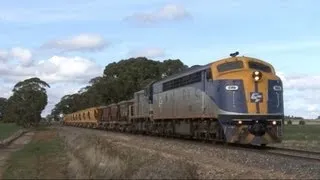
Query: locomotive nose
258, 128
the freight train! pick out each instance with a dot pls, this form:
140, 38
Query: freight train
238, 99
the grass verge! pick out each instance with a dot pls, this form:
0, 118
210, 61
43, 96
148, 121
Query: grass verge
302, 132
44, 157
8, 129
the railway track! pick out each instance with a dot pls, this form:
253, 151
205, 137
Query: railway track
294, 153
283, 152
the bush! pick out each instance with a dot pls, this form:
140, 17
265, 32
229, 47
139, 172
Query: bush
302, 122
289, 122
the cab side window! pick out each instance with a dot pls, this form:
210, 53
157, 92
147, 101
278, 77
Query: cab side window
208, 74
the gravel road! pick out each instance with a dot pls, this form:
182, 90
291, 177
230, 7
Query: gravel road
102, 154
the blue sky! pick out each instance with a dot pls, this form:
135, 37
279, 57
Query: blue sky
38, 37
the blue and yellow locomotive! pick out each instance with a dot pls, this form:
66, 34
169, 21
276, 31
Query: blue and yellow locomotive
234, 100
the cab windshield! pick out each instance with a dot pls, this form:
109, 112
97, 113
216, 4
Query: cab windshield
259, 66
230, 66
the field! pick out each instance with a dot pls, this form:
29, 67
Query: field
301, 137
302, 132
7, 129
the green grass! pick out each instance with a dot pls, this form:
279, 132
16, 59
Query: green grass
7, 129
302, 132
42, 158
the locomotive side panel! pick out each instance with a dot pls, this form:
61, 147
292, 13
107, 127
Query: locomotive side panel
106, 114
124, 110
190, 101
114, 112
141, 105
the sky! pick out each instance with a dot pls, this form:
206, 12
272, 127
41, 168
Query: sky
68, 42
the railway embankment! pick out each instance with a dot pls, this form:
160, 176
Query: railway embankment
68, 152
101, 154
96, 156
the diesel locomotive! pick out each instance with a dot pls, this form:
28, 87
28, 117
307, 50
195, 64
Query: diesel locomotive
238, 99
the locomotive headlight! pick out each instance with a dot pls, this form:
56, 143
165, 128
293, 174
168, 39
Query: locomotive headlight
274, 122
257, 75
239, 122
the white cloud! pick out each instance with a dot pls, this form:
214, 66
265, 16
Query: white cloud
148, 52
301, 94
302, 82
65, 75
68, 69
312, 107
82, 42
169, 12
24, 55
57, 91
4, 55
55, 69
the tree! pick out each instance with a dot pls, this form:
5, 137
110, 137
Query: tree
27, 102
3, 104
170, 67
118, 82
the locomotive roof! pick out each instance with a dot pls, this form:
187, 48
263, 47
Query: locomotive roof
186, 72
197, 68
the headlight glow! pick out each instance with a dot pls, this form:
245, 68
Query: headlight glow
257, 75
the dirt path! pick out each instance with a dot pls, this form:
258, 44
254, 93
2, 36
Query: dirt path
14, 146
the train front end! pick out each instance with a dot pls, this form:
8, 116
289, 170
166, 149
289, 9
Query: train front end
249, 96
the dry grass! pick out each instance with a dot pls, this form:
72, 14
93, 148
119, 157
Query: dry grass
102, 158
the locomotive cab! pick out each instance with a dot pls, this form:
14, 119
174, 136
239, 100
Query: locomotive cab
250, 99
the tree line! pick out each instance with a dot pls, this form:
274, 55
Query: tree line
293, 117
119, 81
